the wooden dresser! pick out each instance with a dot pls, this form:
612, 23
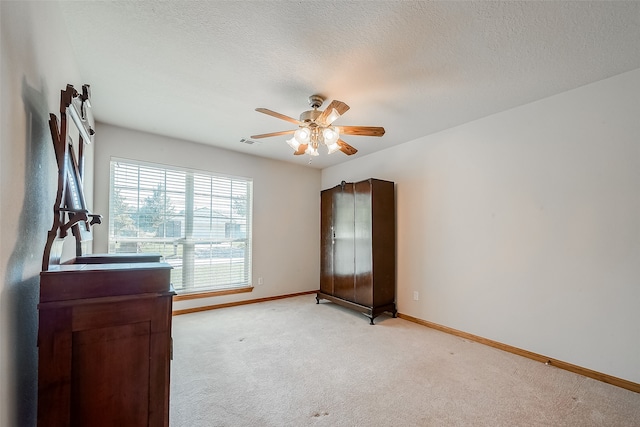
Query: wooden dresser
357, 254
104, 329
105, 343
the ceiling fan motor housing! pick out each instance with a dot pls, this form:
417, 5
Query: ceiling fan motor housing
315, 101
310, 116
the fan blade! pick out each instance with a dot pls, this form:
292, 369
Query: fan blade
278, 115
301, 149
346, 148
361, 130
326, 118
267, 135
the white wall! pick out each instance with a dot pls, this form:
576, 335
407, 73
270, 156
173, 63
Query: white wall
286, 206
524, 227
36, 64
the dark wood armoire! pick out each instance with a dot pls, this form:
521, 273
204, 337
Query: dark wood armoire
358, 246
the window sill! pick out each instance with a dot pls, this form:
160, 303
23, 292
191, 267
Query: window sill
209, 294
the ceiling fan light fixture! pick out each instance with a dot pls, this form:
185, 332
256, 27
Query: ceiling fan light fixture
330, 135
302, 135
311, 150
332, 148
293, 143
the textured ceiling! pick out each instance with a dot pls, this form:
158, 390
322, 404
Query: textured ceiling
197, 70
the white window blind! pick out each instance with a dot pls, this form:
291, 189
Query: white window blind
200, 223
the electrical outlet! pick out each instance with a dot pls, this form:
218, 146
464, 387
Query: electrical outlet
416, 296
260, 281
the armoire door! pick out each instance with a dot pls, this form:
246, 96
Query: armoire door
326, 241
343, 242
363, 240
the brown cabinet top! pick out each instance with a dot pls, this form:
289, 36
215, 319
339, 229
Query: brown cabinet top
80, 281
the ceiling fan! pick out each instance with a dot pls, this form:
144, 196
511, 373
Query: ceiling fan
315, 128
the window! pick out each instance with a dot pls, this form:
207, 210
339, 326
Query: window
200, 223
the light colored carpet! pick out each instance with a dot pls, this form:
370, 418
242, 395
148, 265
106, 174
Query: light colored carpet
291, 362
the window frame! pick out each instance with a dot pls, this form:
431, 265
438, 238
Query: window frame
233, 238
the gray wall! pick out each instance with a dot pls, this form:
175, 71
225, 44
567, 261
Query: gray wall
286, 206
36, 64
524, 227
